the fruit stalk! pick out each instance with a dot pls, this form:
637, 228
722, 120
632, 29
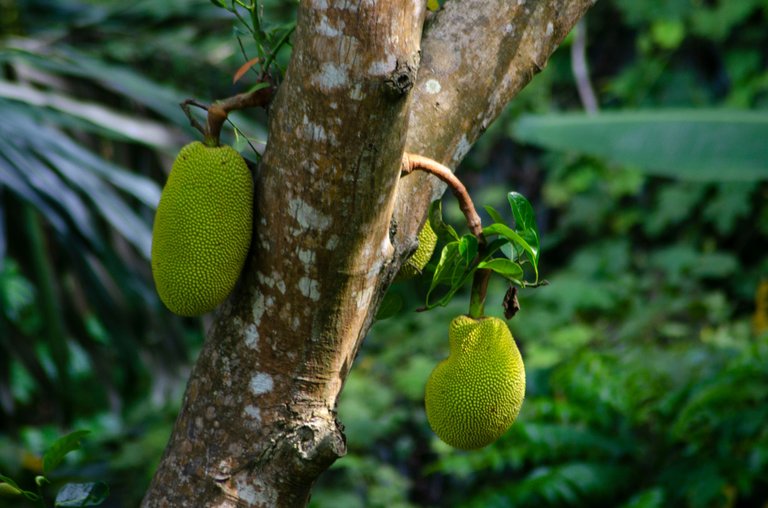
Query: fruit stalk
481, 277
220, 109
479, 291
412, 162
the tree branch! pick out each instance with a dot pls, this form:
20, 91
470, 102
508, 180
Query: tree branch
413, 161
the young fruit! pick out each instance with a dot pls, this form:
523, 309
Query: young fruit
202, 228
474, 395
416, 263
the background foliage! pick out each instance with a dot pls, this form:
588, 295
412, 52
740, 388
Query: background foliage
646, 356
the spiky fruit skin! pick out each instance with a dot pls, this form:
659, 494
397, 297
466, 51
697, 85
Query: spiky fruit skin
475, 395
420, 258
202, 228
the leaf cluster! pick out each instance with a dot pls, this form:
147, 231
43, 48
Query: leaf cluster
505, 250
269, 38
69, 494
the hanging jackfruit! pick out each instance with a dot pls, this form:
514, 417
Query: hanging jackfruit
475, 395
202, 230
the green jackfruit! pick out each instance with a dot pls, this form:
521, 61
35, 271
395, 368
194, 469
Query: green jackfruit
416, 263
202, 229
475, 395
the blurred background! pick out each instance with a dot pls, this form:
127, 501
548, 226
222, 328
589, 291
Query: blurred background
646, 356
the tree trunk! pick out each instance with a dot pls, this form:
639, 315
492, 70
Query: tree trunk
333, 224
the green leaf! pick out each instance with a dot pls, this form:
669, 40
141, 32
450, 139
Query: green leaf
445, 232
514, 237
496, 216
451, 271
522, 211
507, 268
82, 494
61, 448
525, 220
259, 86
651, 498
468, 248
708, 145
494, 246
9, 481
8, 490
8, 487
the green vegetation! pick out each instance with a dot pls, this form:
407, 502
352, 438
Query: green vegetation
646, 355
202, 230
70, 494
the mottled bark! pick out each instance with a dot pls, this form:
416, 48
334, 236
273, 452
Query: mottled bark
258, 425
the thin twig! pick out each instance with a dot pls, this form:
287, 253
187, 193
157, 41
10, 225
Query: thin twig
412, 162
258, 152
580, 69
192, 120
273, 54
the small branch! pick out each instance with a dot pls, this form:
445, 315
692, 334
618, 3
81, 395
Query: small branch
413, 162
187, 111
580, 69
219, 111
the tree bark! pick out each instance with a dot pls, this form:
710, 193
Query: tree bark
333, 224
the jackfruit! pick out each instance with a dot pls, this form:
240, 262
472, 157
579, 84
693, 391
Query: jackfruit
475, 395
416, 263
202, 230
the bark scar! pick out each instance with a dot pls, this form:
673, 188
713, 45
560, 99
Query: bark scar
401, 80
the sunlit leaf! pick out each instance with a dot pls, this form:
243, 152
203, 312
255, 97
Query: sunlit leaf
505, 267
525, 220
468, 248
516, 239
82, 494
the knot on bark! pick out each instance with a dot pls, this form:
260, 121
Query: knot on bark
401, 80
316, 444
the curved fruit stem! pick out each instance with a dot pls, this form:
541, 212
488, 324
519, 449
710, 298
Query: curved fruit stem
219, 111
481, 276
478, 292
413, 162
